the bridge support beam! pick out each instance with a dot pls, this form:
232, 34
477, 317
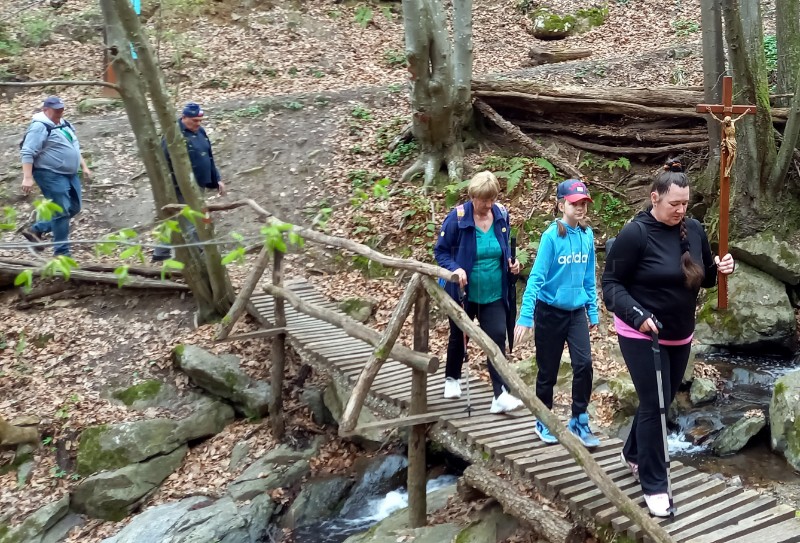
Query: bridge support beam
417, 464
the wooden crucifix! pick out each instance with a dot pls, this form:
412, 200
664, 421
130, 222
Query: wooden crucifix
727, 157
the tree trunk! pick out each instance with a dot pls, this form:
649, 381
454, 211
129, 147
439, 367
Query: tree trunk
756, 154
787, 38
713, 70
441, 79
208, 269
276, 415
790, 134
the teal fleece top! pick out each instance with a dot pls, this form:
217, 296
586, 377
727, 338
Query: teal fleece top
486, 278
563, 274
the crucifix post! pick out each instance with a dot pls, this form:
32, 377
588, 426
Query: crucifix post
727, 157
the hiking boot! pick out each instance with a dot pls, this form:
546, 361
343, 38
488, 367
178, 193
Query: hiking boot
544, 434
630, 465
452, 388
32, 237
504, 403
579, 426
658, 504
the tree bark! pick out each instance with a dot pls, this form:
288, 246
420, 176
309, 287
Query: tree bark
606, 133
417, 464
540, 55
243, 298
276, 415
614, 150
549, 525
421, 361
441, 76
210, 264
756, 154
788, 145
787, 38
565, 437
11, 270
713, 70
364, 382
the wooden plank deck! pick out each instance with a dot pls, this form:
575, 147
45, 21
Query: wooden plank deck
708, 510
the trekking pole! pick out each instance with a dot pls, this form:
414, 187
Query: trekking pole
463, 295
663, 410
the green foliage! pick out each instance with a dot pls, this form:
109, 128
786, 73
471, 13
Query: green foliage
612, 211
35, 31
771, 52
249, 111
361, 113
24, 279
546, 165
452, 193
168, 266
191, 215
514, 173
9, 47
594, 16
274, 236
589, 162
121, 274
387, 13
526, 6
182, 9
379, 189
57, 473
363, 16
400, 153
621, 163
393, 57
237, 255
9, 219
684, 27
45, 209
294, 106
61, 265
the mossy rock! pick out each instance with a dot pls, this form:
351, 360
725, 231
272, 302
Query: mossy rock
771, 255
139, 393
784, 418
548, 25
591, 16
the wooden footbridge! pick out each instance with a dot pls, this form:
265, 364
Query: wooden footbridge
708, 510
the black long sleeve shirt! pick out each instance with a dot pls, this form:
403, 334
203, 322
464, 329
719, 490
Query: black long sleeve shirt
644, 277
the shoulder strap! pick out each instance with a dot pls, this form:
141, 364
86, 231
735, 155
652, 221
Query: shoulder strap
47, 127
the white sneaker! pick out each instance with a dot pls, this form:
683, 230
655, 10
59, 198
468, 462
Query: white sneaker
452, 388
658, 504
504, 403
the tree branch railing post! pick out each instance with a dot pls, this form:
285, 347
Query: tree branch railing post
243, 298
417, 463
582, 457
278, 352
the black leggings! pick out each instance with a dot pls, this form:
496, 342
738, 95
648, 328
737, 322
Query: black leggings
645, 445
492, 319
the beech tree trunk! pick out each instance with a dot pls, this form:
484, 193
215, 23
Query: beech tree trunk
204, 271
756, 153
787, 38
789, 143
713, 69
440, 69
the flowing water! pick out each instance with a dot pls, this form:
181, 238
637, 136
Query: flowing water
371, 510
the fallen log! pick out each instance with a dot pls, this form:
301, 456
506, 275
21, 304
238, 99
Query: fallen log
11, 435
611, 150
97, 266
540, 55
517, 135
546, 523
12, 270
672, 135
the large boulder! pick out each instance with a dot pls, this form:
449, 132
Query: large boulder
222, 376
199, 519
732, 438
770, 255
319, 499
112, 495
207, 418
280, 467
621, 386
702, 391
784, 418
38, 523
111, 447
335, 398
759, 314
360, 309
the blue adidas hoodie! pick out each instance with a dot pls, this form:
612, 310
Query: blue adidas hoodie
563, 274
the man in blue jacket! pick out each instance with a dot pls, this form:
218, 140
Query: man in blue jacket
51, 155
205, 171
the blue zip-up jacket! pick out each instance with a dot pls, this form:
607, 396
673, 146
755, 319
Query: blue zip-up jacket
563, 274
54, 152
456, 246
199, 147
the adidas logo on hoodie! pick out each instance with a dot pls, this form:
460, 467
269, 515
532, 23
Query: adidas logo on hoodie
576, 258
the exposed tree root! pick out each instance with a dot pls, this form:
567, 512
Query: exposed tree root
428, 164
662, 150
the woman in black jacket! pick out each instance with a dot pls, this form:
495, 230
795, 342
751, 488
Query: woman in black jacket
654, 271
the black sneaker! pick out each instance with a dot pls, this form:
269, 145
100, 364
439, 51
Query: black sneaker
32, 237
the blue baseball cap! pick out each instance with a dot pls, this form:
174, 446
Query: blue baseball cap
573, 191
193, 109
53, 102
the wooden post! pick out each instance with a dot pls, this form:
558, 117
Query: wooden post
417, 463
278, 354
726, 109
240, 304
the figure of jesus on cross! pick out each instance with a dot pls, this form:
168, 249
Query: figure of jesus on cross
727, 157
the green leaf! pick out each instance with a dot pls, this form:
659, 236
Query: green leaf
296, 239
45, 209
191, 215
514, 178
170, 265
363, 16
234, 256
237, 236
547, 165
128, 233
624, 163
524, 257
9, 218
134, 250
25, 280
122, 274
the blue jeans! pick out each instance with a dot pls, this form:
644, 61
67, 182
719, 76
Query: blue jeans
64, 190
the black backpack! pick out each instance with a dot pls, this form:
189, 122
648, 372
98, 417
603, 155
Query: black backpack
49, 128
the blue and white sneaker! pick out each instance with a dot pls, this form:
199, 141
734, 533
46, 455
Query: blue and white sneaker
580, 427
544, 434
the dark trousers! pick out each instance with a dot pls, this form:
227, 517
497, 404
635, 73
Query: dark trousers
645, 444
553, 327
492, 319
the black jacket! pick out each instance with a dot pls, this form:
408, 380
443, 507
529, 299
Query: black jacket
199, 148
644, 277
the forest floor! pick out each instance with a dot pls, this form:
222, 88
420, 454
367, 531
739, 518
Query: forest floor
302, 100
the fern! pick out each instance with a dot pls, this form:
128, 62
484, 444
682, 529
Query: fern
547, 165
363, 16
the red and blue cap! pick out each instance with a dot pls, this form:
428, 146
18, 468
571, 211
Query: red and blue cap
573, 191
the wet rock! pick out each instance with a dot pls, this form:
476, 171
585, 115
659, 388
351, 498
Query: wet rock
312, 397
36, 526
621, 385
702, 391
732, 438
360, 309
493, 525
770, 255
760, 315
150, 393
784, 418
378, 475
112, 495
702, 430
335, 398
223, 377
318, 500
208, 417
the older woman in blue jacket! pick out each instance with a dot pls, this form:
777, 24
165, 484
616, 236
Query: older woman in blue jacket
474, 243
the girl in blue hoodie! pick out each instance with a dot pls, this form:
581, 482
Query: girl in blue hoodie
559, 296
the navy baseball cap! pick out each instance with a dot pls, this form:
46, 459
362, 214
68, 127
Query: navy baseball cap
193, 110
573, 191
53, 102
